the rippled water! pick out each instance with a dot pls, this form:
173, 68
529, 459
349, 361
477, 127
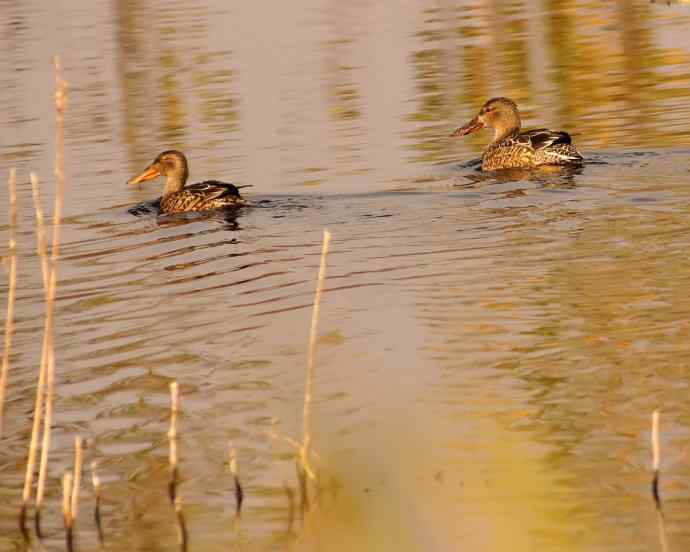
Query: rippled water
491, 348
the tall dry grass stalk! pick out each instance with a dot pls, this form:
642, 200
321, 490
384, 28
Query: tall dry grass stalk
70, 494
59, 170
76, 483
40, 387
239, 491
173, 460
304, 467
96, 482
45, 445
656, 458
38, 406
66, 497
182, 535
12, 291
172, 440
40, 230
46, 378
68, 520
656, 465
46, 356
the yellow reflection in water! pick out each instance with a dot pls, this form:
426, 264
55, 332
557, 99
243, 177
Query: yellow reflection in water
412, 488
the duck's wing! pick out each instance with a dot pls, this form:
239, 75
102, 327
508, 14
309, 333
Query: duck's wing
550, 147
542, 138
213, 189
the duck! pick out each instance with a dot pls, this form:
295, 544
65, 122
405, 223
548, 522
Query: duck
181, 198
512, 149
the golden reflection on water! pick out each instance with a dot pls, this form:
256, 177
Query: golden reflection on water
597, 69
492, 347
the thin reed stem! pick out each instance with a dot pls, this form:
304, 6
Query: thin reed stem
38, 406
656, 449
12, 291
59, 169
172, 440
174, 413
45, 446
239, 491
173, 459
311, 361
40, 387
40, 230
182, 534
656, 465
66, 496
95, 480
41, 251
67, 518
76, 483
656, 459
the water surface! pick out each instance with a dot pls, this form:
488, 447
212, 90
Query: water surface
491, 347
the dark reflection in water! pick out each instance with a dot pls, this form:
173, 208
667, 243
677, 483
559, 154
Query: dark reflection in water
491, 346
548, 176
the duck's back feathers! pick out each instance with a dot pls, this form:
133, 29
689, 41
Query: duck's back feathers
540, 138
202, 196
532, 148
213, 189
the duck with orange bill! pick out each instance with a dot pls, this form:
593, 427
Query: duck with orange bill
180, 197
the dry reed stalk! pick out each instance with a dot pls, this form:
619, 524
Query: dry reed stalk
304, 464
40, 387
12, 291
173, 459
40, 230
67, 518
31, 459
656, 458
182, 534
66, 496
656, 464
76, 483
59, 170
172, 440
95, 480
239, 491
38, 407
41, 251
45, 446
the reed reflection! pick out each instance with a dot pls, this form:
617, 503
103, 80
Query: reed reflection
611, 86
168, 72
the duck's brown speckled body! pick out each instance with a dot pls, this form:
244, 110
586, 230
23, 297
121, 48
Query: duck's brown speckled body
512, 149
178, 198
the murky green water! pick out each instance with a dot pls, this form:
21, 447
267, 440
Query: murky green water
492, 348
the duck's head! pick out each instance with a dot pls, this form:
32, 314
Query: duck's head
172, 164
501, 114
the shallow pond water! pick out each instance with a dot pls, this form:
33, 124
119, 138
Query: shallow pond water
491, 347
